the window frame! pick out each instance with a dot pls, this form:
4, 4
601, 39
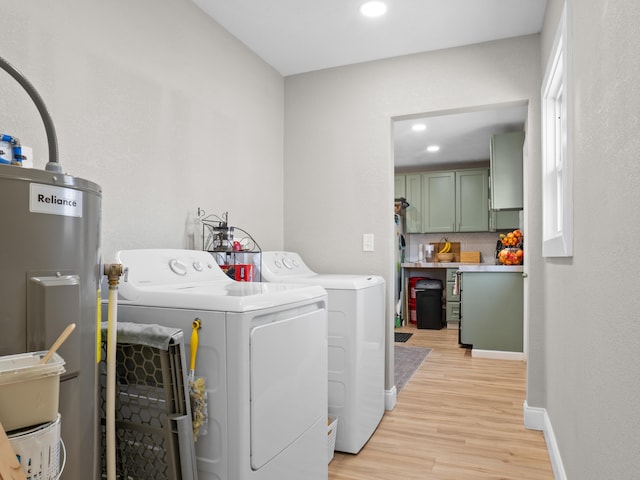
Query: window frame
557, 148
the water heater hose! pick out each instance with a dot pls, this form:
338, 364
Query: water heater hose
53, 165
113, 272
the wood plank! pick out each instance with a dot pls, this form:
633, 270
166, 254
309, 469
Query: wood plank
458, 418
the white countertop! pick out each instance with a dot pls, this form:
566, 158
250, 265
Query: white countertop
466, 267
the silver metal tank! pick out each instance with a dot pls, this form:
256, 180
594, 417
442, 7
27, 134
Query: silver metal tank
50, 272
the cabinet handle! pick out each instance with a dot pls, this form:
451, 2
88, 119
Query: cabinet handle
525, 275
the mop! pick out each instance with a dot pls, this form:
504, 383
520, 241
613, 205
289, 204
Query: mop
197, 387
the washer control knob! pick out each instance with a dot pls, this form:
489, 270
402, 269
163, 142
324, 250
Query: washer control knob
277, 264
295, 263
197, 266
287, 263
178, 267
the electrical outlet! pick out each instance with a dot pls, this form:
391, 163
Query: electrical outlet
367, 242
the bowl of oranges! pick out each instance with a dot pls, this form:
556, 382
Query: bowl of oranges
512, 253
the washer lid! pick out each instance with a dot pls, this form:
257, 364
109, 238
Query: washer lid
172, 278
288, 267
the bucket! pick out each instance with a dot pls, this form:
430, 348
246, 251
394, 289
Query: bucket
29, 390
38, 451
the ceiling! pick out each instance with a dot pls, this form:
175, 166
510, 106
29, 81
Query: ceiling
463, 137
298, 36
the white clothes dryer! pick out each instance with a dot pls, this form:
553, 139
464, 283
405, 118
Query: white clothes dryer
356, 344
262, 352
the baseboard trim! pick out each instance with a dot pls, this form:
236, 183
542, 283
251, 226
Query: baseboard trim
390, 398
536, 418
496, 354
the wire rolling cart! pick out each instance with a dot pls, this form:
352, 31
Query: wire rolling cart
233, 248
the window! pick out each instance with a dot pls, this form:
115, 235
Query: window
557, 190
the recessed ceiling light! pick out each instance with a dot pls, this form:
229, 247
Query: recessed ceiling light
433, 148
418, 127
373, 9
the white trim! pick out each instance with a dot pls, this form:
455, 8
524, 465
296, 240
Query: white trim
557, 145
534, 417
538, 419
497, 354
390, 398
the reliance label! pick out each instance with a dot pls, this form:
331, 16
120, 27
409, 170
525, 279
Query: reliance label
55, 200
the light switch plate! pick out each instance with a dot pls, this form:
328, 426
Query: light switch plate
367, 242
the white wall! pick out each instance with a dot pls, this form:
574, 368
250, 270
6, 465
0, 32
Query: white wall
338, 147
592, 299
158, 105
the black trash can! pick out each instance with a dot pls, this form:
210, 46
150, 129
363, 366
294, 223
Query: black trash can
429, 304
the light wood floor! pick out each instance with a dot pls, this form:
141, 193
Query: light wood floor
458, 418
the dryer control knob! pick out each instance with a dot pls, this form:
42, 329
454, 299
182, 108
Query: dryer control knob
197, 266
295, 264
178, 267
277, 264
287, 263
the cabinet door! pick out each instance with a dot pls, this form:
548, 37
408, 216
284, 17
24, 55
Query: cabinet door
472, 200
413, 194
504, 220
506, 171
492, 315
438, 202
399, 190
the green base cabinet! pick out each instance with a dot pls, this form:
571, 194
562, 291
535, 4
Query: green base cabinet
492, 311
452, 301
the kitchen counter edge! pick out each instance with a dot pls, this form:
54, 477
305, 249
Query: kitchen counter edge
466, 267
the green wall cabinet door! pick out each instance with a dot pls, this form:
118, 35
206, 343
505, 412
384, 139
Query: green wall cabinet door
472, 200
438, 202
506, 171
399, 190
413, 194
492, 310
504, 220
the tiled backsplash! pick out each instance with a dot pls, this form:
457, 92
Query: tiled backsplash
483, 242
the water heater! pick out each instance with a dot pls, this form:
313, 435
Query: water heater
50, 274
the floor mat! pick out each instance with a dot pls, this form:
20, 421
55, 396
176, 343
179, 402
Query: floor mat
406, 361
402, 337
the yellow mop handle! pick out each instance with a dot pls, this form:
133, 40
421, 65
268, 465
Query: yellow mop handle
195, 326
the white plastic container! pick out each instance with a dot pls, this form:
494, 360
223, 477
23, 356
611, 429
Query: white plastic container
332, 428
38, 450
29, 391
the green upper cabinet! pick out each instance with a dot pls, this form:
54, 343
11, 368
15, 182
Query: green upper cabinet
399, 190
445, 201
472, 200
506, 171
438, 202
504, 220
413, 194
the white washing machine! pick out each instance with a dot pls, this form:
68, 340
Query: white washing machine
262, 352
356, 344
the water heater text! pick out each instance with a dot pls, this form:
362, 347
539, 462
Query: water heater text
57, 201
